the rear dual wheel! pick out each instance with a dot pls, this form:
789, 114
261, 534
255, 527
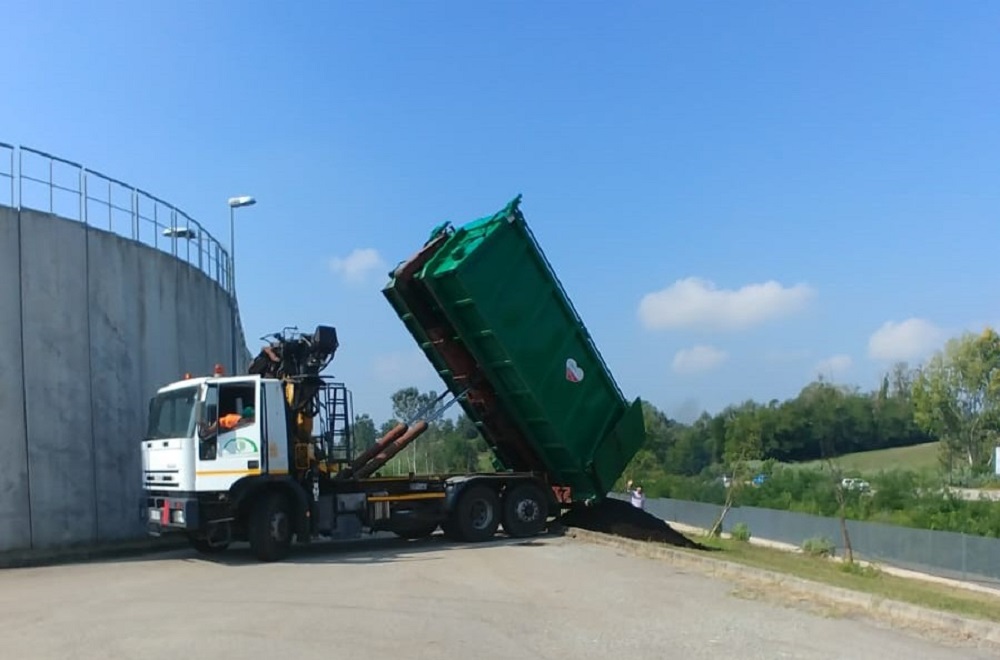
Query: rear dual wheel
476, 516
479, 513
525, 510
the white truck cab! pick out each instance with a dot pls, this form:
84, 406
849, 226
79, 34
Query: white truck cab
204, 434
210, 442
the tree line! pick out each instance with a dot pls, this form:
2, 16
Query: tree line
954, 398
823, 420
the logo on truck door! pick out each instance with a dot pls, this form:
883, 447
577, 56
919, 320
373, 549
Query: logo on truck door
240, 446
574, 372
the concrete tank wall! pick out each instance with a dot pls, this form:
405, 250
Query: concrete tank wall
100, 323
15, 522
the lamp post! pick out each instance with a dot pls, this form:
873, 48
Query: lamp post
180, 232
234, 203
183, 233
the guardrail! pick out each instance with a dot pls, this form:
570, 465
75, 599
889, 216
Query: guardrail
952, 555
39, 181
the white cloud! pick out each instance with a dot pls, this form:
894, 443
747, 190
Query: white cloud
906, 340
357, 266
834, 365
698, 359
695, 302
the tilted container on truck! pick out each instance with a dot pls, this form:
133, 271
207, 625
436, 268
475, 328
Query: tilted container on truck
267, 456
489, 313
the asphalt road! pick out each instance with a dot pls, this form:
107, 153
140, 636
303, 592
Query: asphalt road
549, 598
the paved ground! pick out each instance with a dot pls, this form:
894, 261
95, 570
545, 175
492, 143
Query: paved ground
549, 598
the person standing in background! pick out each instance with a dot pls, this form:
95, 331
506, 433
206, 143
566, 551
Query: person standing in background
638, 498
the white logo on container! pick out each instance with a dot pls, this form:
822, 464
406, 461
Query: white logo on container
574, 372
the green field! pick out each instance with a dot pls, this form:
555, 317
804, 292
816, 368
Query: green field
917, 458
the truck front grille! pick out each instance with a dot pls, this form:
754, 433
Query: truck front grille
162, 478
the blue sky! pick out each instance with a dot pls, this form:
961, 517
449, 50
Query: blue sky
734, 196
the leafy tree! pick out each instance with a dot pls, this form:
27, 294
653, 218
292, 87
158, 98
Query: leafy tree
957, 398
363, 432
743, 445
460, 454
449, 445
408, 404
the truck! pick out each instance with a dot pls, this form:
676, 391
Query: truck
268, 457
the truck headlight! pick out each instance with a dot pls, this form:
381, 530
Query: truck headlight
177, 516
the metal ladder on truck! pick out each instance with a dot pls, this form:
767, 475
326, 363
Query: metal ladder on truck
336, 408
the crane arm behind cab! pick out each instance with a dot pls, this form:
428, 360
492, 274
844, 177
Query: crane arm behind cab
297, 360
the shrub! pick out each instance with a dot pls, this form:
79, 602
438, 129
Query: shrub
818, 546
740, 532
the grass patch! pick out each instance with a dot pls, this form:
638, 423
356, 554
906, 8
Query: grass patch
919, 458
860, 578
740, 532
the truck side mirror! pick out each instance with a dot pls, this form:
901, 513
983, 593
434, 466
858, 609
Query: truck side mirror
202, 423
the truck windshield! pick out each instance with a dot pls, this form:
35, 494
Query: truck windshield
171, 414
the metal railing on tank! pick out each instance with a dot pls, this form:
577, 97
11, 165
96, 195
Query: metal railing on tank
39, 181
7, 177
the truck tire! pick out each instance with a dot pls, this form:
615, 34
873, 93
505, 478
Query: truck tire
270, 527
476, 517
525, 511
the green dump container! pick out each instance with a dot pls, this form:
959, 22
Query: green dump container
491, 295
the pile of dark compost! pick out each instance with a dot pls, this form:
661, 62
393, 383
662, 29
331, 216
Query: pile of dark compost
618, 517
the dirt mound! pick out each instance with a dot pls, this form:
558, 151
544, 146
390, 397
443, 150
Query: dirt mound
613, 516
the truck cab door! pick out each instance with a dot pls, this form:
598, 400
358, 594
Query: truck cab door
275, 428
229, 436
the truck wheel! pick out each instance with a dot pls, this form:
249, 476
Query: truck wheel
270, 528
477, 515
525, 511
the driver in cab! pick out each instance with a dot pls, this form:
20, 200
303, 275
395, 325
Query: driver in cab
230, 422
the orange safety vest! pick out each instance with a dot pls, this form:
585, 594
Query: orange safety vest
230, 420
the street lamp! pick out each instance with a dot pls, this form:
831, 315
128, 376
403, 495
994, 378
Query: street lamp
234, 203
183, 233
180, 232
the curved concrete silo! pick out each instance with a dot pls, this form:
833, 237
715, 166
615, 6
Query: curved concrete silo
102, 300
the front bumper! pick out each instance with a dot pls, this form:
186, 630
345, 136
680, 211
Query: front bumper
168, 512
